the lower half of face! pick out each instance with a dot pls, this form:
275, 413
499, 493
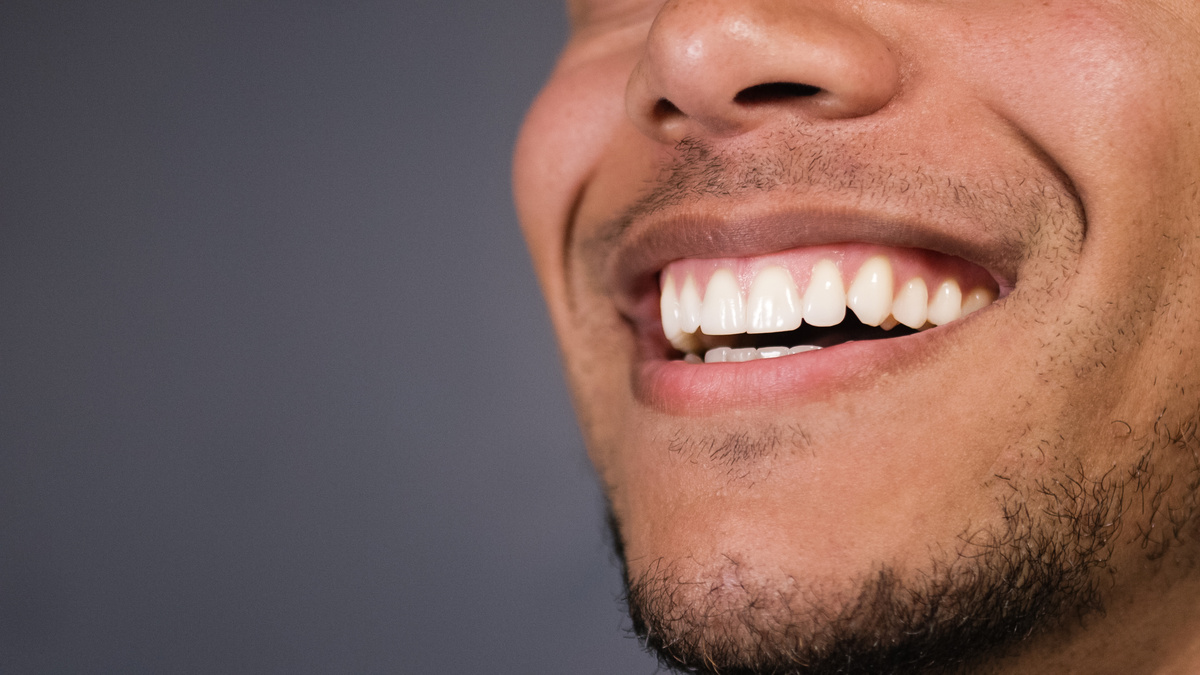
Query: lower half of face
810, 445
964, 483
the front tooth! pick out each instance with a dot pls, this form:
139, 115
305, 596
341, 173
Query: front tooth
825, 299
912, 304
800, 349
977, 299
774, 302
946, 305
669, 308
870, 295
689, 306
724, 312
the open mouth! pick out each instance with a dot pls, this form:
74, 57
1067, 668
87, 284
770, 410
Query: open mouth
721, 310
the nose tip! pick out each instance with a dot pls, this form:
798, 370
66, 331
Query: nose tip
723, 67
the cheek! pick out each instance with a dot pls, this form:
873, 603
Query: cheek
564, 136
1109, 103
1090, 88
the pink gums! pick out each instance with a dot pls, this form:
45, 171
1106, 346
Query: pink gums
907, 263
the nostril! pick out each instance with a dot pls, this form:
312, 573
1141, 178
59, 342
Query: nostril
664, 109
772, 92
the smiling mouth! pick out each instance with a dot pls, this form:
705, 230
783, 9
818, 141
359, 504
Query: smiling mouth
802, 300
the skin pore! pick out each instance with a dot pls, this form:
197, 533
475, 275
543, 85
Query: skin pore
1011, 492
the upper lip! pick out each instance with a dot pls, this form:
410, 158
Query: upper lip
648, 245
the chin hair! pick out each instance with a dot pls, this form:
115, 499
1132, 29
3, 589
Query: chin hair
1037, 570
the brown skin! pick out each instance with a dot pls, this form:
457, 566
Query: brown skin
1075, 124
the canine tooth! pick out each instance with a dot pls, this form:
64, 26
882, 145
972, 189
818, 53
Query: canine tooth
946, 305
717, 355
692, 359
772, 352
800, 349
689, 306
912, 304
743, 354
825, 299
976, 300
774, 302
724, 312
669, 307
870, 295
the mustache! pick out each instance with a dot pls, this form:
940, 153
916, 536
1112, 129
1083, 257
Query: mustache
1013, 205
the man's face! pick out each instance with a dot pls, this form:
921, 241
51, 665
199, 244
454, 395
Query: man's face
1015, 180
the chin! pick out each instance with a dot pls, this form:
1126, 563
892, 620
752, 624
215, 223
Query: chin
740, 592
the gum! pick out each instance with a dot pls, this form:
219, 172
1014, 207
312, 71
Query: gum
907, 263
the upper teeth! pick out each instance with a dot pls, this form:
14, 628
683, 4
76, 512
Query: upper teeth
825, 299
723, 311
774, 302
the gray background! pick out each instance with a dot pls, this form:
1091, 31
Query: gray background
277, 392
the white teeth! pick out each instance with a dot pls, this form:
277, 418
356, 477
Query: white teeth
825, 299
870, 295
911, 307
724, 312
689, 306
673, 315
976, 300
717, 355
743, 354
669, 306
730, 355
772, 352
773, 305
946, 305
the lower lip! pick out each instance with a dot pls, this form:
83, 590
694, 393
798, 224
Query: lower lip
680, 388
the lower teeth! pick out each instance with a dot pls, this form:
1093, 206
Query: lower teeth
731, 355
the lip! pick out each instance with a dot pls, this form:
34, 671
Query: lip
678, 388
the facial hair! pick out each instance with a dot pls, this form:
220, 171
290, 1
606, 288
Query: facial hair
1041, 571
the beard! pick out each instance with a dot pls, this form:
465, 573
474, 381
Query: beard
1039, 570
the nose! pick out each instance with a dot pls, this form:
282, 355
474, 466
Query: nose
723, 67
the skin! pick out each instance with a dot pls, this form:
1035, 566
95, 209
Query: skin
1072, 128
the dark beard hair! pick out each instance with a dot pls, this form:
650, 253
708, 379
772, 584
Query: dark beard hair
1034, 575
